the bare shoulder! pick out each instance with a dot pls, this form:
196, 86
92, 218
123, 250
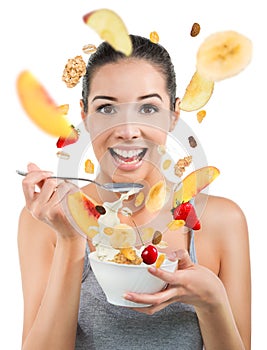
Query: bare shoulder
220, 212
224, 230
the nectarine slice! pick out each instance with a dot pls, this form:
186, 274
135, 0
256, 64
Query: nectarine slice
197, 93
110, 27
83, 212
40, 107
194, 183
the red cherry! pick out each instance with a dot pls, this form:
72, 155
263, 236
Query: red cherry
149, 254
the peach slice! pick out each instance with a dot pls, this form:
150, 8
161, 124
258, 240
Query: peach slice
110, 27
197, 93
83, 212
40, 107
194, 183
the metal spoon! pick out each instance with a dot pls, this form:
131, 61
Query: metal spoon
112, 186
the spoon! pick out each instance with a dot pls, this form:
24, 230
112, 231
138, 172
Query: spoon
111, 186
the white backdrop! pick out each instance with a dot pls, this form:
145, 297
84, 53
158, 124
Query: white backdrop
41, 36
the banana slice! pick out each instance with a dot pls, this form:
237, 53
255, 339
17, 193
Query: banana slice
156, 197
223, 55
123, 236
197, 93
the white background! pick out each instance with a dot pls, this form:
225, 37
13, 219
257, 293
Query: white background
41, 36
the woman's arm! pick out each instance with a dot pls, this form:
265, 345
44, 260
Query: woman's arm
51, 269
233, 243
51, 280
222, 303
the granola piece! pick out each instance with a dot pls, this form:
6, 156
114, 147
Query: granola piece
181, 164
154, 37
74, 70
127, 256
201, 115
89, 167
89, 49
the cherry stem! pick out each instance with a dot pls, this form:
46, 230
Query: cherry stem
139, 234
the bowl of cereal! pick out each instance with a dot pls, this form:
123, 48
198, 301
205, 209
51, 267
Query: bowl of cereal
116, 277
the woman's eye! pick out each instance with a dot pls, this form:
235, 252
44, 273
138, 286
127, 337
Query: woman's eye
149, 109
106, 109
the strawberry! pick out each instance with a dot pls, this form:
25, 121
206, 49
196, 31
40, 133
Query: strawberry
186, 211
72, 138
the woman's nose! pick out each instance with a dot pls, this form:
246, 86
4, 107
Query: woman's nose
128, 131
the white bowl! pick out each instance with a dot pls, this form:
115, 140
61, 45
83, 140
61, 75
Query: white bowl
117, 279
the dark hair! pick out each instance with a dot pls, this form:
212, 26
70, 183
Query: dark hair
144, 49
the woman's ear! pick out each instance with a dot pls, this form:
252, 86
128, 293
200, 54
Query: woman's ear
82, 109
175, 114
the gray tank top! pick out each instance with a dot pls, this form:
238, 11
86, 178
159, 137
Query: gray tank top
103, 326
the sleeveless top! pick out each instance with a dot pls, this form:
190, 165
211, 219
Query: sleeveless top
103, 326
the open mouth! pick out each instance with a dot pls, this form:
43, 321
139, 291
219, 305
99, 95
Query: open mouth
128, 157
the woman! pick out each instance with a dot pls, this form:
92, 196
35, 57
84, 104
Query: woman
207, 300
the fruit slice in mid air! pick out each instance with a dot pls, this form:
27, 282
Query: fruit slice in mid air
40, 107
197, 94
156, 197
194, 183
223, 54
110, 28
83, 212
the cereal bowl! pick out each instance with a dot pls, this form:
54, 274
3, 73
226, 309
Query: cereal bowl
117, 279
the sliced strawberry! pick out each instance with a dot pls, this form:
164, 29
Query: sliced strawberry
72, 138
186, 211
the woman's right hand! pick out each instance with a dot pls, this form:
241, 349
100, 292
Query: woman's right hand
46, 204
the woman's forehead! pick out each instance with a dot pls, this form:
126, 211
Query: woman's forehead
127, 77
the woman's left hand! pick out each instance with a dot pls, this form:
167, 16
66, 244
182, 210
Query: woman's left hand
190, 284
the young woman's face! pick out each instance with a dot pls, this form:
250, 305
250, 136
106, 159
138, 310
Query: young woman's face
128, 119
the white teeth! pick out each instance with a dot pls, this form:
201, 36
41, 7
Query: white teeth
128, 154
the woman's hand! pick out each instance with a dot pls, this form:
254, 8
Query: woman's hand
190, 284
46, 204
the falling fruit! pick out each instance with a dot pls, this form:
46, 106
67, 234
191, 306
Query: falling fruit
197, 93
65, 141
111, 28
186, 212
40, 107
194, 183
223, 55
156, 197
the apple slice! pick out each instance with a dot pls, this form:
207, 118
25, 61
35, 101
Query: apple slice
110, 27
83, 212
194, 183
40, 107
197, 93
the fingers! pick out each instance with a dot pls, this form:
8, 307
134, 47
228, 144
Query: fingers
185, 261
32, 167
29, 183
158, 300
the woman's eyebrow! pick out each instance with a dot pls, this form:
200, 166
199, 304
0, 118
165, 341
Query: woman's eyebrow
149, 96
102, 97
